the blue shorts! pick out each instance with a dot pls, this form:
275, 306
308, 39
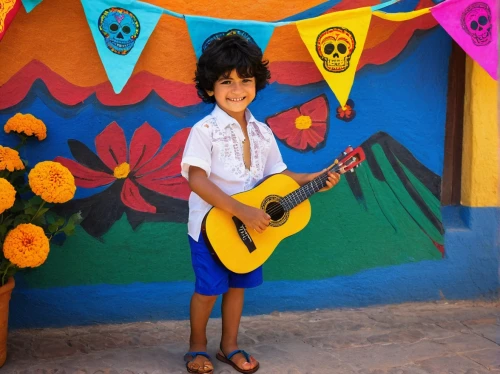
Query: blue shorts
212, 278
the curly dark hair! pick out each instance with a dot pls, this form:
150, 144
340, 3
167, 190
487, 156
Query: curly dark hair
223, 56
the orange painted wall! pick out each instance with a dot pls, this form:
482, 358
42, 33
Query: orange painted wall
79, 63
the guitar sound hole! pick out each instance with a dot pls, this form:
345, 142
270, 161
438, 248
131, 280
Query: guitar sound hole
275, 210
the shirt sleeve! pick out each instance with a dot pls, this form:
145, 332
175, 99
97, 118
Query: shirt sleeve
274, 162
198, 150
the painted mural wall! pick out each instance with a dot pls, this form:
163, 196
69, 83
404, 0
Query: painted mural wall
378, 237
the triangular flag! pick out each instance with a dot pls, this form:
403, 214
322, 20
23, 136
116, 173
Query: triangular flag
7, 14
29, 5
402, 16
203, 30
474, 26
335, 42
120, 34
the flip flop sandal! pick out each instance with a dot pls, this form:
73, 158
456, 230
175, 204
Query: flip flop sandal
191, 356
221, 356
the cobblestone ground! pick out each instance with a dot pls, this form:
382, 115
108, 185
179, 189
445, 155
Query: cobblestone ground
415, 338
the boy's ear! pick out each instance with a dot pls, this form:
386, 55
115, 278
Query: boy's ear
209, 93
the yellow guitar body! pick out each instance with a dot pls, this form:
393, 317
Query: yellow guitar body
242, 251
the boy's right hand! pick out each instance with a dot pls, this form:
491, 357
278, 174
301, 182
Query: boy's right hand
253, 218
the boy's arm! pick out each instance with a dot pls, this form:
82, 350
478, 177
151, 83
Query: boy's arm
303, 178
253, 218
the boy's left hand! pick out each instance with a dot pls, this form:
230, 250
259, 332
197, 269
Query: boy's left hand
333, 179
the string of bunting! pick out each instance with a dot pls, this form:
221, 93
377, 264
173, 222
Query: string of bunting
335, 41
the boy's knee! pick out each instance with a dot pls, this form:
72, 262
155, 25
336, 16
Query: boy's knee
205, 299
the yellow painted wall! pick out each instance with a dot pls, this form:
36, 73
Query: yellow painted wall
481, 142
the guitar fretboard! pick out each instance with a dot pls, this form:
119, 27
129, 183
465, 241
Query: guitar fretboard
352, 159
303, 193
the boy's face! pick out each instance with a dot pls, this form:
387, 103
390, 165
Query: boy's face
233, 94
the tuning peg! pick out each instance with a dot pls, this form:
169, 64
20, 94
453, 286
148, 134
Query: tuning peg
352, 170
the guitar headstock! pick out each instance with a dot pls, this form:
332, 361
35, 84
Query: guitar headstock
349, 159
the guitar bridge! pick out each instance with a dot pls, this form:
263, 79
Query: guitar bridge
244, 235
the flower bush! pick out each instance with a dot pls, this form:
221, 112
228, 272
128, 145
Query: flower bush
27, 223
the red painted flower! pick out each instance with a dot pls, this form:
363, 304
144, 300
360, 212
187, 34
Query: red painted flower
302, 127
347, 113
143, 165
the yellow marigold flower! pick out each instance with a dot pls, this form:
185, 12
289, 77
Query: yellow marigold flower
52, 181
7, 195
26, 246
26, 124
10, 160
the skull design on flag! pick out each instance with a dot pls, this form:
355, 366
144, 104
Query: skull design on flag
120, 29
335, 46
476, 21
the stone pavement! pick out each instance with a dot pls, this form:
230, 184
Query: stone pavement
414, 338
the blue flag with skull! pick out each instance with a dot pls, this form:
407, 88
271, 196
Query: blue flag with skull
120, 34
203, 30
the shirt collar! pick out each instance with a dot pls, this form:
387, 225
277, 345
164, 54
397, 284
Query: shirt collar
226, 120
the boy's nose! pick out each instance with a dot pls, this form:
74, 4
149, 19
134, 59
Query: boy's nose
237, 87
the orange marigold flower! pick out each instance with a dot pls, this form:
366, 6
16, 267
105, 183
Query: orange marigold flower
26, 246
10, 160
26, 124
52, 181
7, 195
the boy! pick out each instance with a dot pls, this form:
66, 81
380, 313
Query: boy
227, 152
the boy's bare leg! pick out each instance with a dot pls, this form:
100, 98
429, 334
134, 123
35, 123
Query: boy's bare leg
232, 307
201, 307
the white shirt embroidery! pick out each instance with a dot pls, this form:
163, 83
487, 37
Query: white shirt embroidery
215, 144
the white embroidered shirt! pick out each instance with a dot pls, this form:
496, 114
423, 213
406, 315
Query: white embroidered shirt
215, 144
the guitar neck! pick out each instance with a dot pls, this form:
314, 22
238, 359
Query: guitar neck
349, 159
303, 193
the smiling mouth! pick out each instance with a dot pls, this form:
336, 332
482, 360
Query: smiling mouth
236, 100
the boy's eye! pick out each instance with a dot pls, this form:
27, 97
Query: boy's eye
225, 82
247, 80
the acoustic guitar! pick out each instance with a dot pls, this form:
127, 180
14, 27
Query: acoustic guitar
241, 250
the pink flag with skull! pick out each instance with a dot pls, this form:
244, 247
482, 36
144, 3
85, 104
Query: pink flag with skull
473, 25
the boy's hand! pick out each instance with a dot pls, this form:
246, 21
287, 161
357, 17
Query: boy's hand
254, 218
333, 179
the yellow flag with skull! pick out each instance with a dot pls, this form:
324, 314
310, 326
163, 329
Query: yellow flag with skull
335, 42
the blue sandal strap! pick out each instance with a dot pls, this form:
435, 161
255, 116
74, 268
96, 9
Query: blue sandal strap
229, 356
194, 354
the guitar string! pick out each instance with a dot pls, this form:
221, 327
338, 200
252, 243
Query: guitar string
323, 178
280, 207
